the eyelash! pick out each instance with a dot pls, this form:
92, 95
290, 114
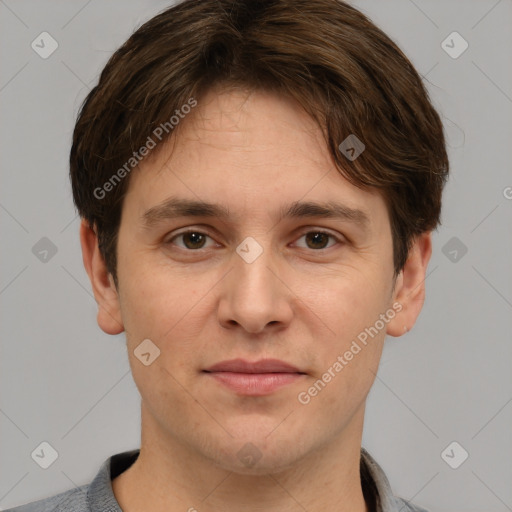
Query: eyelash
315, 231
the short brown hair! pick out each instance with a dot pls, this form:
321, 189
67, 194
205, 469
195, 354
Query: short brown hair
344, 71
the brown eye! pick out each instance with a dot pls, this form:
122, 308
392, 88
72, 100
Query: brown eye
192, 240
196, 240
318, 240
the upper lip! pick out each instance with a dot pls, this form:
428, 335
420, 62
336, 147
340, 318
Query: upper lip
261, 366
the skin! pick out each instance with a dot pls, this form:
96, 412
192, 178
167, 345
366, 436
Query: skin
301, 301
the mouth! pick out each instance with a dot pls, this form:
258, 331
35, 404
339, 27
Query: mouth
254, 379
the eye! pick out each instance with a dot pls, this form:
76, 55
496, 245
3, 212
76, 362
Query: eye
195, 240
318, 239
192, 240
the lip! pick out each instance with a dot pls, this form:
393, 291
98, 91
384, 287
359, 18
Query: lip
254, 379
261, 366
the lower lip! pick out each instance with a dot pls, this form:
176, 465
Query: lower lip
255, 384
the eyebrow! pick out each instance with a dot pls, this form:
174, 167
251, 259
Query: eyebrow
174, 207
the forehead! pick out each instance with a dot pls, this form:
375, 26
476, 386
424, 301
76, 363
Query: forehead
247, 152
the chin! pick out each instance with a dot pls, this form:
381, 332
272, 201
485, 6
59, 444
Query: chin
260, 453
264, 466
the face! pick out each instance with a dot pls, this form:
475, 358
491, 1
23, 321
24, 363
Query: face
257, 280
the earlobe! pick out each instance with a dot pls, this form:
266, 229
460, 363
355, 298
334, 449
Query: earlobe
106, 295
409, 289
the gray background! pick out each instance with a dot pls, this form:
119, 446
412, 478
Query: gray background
66, 382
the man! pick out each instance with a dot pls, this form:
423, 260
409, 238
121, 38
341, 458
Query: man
258, 182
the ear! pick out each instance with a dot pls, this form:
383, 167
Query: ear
409, 288
105, 292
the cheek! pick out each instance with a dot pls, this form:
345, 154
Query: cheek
169, 309
348, 303
163, 394
350, 306
151, 294
155, 307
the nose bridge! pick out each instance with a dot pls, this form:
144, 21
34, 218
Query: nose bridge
255, 295
252, 274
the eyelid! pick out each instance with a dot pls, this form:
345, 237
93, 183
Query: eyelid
201, 231
340, 239
336, 236
195, 228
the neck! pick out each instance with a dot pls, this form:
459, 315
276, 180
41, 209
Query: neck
171, 476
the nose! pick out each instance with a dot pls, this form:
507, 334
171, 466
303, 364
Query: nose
255, 295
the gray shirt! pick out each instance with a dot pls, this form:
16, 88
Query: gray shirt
99, 497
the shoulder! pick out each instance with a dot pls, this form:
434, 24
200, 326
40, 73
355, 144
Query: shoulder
74, 500
377, 485
94, 496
